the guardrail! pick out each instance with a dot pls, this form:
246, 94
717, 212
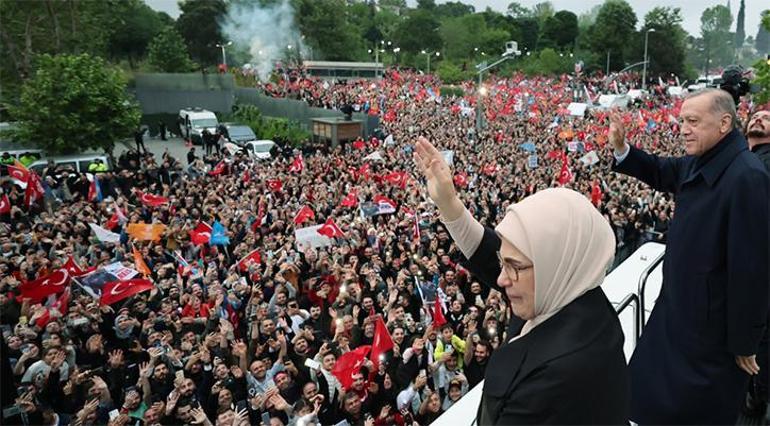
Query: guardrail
642, 287
626, 302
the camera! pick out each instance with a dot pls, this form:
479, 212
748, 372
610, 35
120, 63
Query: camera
735, 82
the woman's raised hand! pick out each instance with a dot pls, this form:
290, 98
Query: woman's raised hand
439, 176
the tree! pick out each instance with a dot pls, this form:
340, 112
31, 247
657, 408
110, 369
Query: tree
762, 42
516, 10
542, 11
740, 32
135, 25
168, 53
561, 29
613, 31
529, 30
326, 27
30, 28
199, 26
74, 103
666, 45
453, 9
418, 32
429, 5
715, 32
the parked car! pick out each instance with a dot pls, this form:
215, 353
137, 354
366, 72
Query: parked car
239, 134
78, 163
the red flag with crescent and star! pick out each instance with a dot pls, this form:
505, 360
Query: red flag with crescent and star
115, 291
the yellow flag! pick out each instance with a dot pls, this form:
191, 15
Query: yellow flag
145, 232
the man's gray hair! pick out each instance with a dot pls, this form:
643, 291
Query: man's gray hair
721, 103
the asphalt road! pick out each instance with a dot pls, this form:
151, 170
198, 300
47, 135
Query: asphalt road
175, 147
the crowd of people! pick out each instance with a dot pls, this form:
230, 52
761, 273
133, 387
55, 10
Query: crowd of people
255, 327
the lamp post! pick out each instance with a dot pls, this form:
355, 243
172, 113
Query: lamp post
644, 68
437, 53
222, 46
483, 91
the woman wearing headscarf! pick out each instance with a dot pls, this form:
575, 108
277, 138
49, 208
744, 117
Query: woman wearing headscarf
563, 360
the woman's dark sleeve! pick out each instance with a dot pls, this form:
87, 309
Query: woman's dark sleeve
484, 263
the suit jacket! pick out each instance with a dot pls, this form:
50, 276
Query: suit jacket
713, 302
570, 369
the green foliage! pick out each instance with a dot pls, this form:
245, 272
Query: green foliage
561, 29
199, 26
328, 30
666, 45
762, 79
74, 103
453, 9
168, 53
717, 40
516, 10
418, 32
762, 41
766, 20
134, 26
450, 91
469, 35
613, 31
276, 129
740, 30
451, 73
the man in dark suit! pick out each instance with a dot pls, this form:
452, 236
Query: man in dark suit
758, 136
699, 346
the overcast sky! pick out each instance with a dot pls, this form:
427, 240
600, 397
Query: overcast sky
691, 9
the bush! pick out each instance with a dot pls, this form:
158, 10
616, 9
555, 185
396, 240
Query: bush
452, 91
280, 130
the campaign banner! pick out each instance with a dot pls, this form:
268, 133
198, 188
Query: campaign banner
308, 237
94, 282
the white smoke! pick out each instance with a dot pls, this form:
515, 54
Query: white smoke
266, 31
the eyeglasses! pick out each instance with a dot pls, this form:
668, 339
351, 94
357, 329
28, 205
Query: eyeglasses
512, 272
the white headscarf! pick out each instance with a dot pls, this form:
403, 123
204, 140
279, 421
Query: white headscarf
569, 242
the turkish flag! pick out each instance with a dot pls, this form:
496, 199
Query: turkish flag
397, 178
351, 200
115, 291
364, 171
201, 234
330, 229
150, 199
553, 154
381, 343
297, 165
348, 364
565, 175
275, 185
219, 169
490, 169
74, 269
304, 214
5, 204
596, 194
359, 144
252, 258
41, 288
34, 191
438, 315
18, 172
461, 180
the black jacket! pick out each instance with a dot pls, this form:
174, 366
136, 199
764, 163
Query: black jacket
570, 369
763, 152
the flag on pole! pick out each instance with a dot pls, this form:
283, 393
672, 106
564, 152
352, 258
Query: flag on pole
139, 263
330, 229
304, 214
219, 235
115, 291
150, 199
104, 235
382, 342
348, 364
252, 258
201, 234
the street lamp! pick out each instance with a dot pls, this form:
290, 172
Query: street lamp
644, 69
483, 91
222, 46
437, 53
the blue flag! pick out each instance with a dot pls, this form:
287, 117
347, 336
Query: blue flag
218, 236
528, 146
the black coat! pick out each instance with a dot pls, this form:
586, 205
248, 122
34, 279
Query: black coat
713, 302
570, 369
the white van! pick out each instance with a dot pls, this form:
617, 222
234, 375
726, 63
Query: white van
192, 121
261, 150
78, 163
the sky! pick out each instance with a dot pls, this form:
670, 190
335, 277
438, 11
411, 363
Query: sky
691, 9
